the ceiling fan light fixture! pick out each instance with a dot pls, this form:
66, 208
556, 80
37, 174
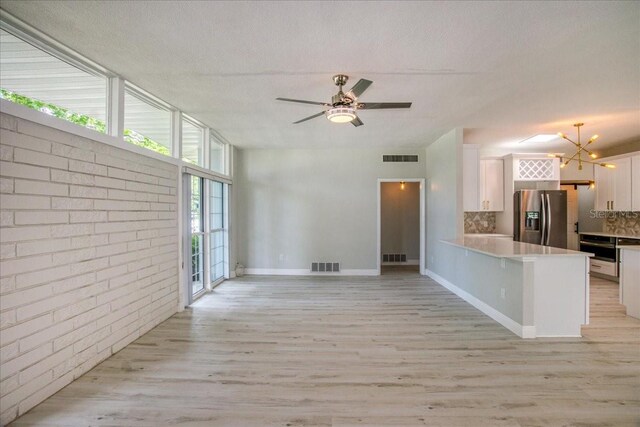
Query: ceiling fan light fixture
341, 114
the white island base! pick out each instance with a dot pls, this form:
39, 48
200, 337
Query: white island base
532, 290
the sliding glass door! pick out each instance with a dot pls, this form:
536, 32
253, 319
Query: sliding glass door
206, 239
197, 235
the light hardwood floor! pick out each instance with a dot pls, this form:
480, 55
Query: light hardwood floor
396, 350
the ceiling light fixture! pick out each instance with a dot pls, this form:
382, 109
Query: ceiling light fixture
341, 114
402, 185
577, 157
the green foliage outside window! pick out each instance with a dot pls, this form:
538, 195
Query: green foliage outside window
82, 120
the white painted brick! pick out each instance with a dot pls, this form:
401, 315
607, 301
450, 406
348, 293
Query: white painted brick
86, 167
44, 336
44, 132
7, 251
147, 197
6, 185
71, 230
12, 201
88, 192
92, 240
18, 234
91, 340
138, 245
77, 255
72, 177
72, 152
38, 277
39, 187
6, 218
114, 205
94, 264
111, 339
66, 340
7, 318
91, 315
126, 236
6, 153
17, 170
39, 159
101, 181
41, 217
7, 386
73, 283
44, 392
71, 204
45, 365
9, 351
25, 141
23, 265
116, 248
109, 273
104, 159
117, 282
147, 188
22, 330
122, 174
73, 311
88, 216
162, 207
7, 284
27, 389
122, 195
8, 122
147, 179
43, 246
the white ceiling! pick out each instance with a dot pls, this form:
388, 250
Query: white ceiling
502, 70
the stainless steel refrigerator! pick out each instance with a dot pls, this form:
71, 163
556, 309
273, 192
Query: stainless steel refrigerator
540, 217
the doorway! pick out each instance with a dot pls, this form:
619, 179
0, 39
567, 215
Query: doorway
573, 242
401, 226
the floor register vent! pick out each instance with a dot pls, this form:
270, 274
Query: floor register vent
399, 158
394, 257
325, 267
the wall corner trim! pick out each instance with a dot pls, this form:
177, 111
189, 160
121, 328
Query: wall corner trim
510, 324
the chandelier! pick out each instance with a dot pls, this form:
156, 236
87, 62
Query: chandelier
577, 157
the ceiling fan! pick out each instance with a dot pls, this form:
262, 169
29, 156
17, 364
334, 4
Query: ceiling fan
343, 106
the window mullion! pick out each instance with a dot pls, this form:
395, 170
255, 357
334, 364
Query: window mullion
115, 107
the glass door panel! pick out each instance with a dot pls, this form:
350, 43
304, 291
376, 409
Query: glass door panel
217, 230
197, 236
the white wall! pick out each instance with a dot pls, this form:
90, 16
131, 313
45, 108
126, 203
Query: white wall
89, 241
400, 219
312, 205
572, 173
445, 214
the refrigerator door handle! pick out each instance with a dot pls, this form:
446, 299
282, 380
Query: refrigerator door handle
544, 219
548, 219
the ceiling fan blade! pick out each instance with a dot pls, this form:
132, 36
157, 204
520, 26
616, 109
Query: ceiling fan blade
359, 88
357, 122
382, 105
302, 101
309, 118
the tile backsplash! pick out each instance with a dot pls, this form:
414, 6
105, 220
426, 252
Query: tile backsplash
479, 222
620, 223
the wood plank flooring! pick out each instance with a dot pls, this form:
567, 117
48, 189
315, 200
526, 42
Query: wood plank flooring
395, 350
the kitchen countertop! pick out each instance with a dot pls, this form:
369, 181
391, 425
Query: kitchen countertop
606, 234
503, 248
487, 235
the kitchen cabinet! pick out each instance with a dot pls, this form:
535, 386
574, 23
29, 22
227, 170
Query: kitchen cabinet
635, 183
613, 186
492, 184
483, 182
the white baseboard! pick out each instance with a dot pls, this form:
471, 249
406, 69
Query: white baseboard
305, 272
510, 324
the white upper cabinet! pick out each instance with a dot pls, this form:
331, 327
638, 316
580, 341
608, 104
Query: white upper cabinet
471, 178
483, 181
492, 184
614, 186
635, 183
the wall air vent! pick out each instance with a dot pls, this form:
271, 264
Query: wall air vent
394, 257
399, 157
325, 267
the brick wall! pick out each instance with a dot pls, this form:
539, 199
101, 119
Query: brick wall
89, 244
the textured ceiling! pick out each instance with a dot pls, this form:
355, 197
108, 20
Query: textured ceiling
502, 70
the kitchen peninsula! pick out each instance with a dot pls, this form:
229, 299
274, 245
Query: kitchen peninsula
532, 290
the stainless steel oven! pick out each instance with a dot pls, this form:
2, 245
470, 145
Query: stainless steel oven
605, 259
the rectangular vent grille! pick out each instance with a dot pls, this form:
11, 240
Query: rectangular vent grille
394, 257
399, 158
325, 267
